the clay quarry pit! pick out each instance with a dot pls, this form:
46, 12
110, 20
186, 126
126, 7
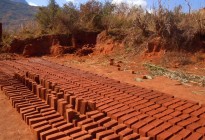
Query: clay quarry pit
56, 102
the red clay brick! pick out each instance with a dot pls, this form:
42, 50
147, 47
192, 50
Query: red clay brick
125, 132
96, 130
103, 134
195, 136
110, 124
55, 136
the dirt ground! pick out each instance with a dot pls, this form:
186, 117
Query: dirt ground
12, 127
101, 66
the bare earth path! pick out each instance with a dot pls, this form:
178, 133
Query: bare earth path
12, 126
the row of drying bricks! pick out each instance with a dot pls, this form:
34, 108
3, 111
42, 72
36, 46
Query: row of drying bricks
124, 108
111, 108
188, 123
48, 124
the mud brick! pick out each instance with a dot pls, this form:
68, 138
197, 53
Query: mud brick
166, 112
78, 134
78, 104
66, 126
104, 120
55, 136
194, 126
175, 120
154, 112
43, 93
110, 124
86, 121
26, 111
52, 116
101, 108
62, 107
125, 132
89, 126
147, 109
202, 116
72, 130
110, 113
164, 100
29, 113
188, 121
39, 90
144, 130
138, 103
60, 123
133, 136
96, 130
175, 129
55, 120
166, 118
48, 113
184, 107
117, 115
38, 130
19, 106
103, 134
112, 137
195, 136
128, 116
36, 120
78, 119
83, 107
112, 108
85, 137
184, 133
72, 100
142, 123
60, 95
91, 113
198, 112
175, 113
40, 124
184, 116
176, 137
174, 106
32, 116
166, 104
201, 130
42, 107
70, 115
67, 97
18, 100
132, 121
119, 128
65, 138
98, 116
166, 135
53, 102
154, 132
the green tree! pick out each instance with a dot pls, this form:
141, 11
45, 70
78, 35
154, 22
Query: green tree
69, 18
47, 16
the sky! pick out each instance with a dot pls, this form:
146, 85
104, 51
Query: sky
148, 4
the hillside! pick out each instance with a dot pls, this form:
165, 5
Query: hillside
13, 14
20, 1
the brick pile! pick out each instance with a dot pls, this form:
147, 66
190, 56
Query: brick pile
60, 102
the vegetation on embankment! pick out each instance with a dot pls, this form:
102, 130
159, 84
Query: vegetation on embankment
134, 26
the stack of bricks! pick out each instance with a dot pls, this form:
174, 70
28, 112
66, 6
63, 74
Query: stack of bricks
123, 108
47, 124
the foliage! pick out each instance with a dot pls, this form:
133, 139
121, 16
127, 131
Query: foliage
47, 16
